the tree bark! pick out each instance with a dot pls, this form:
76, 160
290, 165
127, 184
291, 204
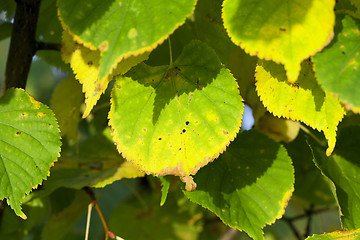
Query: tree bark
22, 45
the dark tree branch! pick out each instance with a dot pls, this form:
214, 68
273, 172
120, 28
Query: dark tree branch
293, 228
22, 45
47, 46
309, 214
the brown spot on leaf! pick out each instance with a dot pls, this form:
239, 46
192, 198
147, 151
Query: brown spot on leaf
104, 46
225, 132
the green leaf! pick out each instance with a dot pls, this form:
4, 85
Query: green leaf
303, 101
121, 28
133, 220
175, 119
286, 32
85, 65
239, 186
337, 66
343, 169
165, 183
337, 235
67, 106
29, 145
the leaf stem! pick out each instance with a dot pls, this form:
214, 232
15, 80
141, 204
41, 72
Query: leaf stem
170, 52
88, 221
302, 127
97, 207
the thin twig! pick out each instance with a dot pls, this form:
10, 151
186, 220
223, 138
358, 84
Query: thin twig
306, 130
88, 221
309, 215
170, 52
229, 234
95, 203
316, 211
293, 228
47, 46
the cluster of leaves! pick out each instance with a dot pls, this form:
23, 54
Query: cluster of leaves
175, 117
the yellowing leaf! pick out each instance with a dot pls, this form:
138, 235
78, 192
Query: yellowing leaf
286, 32
303, 101
176, 119
85, 64
338, 235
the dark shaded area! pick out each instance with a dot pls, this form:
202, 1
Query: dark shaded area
245, 160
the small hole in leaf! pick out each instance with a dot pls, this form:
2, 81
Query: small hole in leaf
184, 130
159, 138
179, 149
90, 63
187, 122
18, 133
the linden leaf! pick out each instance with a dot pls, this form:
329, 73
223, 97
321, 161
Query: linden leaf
286, 32
175, 119
239, 186
303, 101
337, 66
337, 235
29, 145
342, 168
85, 64
121, 28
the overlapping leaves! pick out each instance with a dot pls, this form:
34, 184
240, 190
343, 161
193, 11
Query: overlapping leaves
286, 32
343, 169
337, 235
85, 64
239, 186
304, 101
121, 28
29, 145
338, 67
175, 119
